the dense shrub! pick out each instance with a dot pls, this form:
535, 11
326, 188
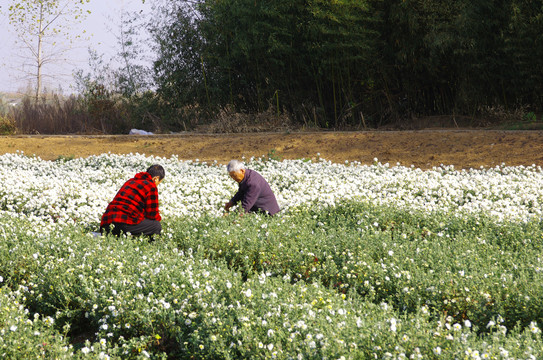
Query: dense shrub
7, 126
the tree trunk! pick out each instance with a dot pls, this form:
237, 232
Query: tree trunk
39, 55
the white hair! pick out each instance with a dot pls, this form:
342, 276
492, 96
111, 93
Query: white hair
234, 165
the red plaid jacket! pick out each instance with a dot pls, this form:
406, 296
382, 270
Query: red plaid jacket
137, 199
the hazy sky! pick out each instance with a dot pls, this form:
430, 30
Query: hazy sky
101, 25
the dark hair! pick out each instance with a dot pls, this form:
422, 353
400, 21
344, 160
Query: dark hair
156, 170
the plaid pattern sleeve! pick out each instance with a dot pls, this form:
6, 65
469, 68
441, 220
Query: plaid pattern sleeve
137, 199
151, 205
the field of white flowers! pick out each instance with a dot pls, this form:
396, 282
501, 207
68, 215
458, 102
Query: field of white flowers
376, 262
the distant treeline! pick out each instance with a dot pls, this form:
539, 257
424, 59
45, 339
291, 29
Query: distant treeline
335, 63
327, 63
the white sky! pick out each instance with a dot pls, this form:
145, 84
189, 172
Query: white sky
102, 25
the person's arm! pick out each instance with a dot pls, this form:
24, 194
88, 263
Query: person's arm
251, 196
235, 199
151, 204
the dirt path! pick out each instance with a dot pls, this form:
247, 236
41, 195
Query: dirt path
422, 148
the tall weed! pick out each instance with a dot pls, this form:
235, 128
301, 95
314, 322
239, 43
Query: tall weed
51, 115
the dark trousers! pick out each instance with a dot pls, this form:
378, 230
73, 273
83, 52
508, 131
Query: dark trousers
146, 227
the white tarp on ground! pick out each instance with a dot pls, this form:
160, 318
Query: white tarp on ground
139, 132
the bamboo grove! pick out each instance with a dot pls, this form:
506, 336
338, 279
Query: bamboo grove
337, 63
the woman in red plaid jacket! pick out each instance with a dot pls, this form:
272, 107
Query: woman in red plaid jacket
134, 209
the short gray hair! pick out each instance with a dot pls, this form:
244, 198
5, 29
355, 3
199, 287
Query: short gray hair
234, 165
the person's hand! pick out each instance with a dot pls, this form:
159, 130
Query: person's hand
227, 206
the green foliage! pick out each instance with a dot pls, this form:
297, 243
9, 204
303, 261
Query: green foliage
350, 63
64, 158
120, 98
248, 54
103, 109
272, 155
115, 101
388, 255
334, 64
530, 117
353, 279
131, 78
28, 338
7, 126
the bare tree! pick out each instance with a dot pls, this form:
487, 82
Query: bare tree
44, 28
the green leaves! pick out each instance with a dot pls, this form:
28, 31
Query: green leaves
254, 51
331, 62
354, 279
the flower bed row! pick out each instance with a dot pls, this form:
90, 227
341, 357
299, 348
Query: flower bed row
126, 298
62, 193
363, 262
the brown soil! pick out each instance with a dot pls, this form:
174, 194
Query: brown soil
421, 148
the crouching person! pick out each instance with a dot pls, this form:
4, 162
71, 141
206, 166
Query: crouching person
134, 209
254, 192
